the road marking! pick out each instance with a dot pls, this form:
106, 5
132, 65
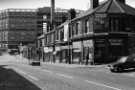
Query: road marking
20, 71
24, 73
48, 71
64, 75
34, 78
103, 85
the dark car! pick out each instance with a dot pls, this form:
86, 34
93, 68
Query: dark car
34, 62
123, 63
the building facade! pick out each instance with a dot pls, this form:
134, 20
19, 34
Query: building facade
17, 27
100, 35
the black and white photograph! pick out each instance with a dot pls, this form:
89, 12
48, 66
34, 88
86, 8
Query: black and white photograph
67, 44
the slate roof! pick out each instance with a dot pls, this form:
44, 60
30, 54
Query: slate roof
110, 7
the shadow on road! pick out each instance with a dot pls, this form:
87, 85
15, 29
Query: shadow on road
10, 80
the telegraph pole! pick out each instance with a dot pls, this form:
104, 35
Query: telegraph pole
52, 22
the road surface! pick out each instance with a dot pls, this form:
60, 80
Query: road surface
21, 76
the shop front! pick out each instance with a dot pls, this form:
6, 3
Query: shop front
77, 52
48, 54
88, 51
110, 48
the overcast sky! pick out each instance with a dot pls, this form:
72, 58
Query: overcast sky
78, 4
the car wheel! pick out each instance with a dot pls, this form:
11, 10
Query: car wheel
119, 69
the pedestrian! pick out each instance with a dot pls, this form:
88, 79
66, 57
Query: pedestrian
87, 59
91, 59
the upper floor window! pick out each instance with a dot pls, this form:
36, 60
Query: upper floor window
99, 23
61, 35
78, 27
87, 26
44, 17
73, 29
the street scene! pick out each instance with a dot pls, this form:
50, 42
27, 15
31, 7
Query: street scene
67, 45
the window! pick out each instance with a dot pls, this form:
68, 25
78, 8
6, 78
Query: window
117, 24
44, 17
44, 27
73, 29
61, 35
99, 23
87, 26
78, 28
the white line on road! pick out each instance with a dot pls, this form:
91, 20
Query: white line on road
103, 85
20, 71
24, 73
48, 71
64, 75
34, 78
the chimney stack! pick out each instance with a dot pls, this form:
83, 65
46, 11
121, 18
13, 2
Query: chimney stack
123, 1
94, 3
52, 13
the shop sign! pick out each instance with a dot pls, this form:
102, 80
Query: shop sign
76, 50
88, 43
64, 47
66, 32
76, 44
115, 41
50, 49
57, 48
46, 49
100, 42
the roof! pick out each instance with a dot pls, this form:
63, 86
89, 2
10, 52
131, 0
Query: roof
115, 6
110, 6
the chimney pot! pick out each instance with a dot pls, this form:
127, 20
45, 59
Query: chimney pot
94, 3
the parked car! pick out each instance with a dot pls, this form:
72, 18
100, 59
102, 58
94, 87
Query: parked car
13, 51
123, 63
34, 63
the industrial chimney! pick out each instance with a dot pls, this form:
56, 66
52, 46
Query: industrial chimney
123, 1
94, 3
52, 13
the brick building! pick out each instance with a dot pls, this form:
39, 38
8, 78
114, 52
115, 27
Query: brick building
103, 33
44, 22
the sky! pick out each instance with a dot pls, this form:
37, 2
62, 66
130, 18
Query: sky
67, 4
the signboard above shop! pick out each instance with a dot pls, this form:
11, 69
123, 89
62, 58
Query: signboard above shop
116, 41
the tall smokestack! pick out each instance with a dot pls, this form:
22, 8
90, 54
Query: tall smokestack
52, 13
123, 1
94, 3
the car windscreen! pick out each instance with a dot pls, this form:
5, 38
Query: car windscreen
122, 60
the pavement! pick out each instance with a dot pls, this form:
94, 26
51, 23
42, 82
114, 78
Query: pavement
72, 65
23, 60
